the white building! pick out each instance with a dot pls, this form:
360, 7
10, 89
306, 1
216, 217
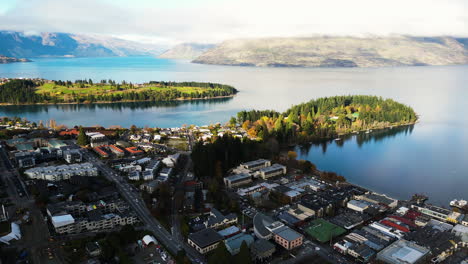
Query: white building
62, 172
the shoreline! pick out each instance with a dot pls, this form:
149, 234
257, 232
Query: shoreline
123, 101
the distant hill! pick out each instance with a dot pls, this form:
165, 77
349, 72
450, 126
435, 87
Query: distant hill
17, 44
339, 52
4, 59
186, 51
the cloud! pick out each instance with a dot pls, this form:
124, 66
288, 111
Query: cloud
214, 21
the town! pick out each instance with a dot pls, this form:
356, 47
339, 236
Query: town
115, 195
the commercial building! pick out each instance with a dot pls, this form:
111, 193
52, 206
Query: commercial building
287, 237
149, 187
205, 240
166, 172
62, 172
358, 206
134, 176
256, 164
233, 244
237, 180
403, 252
433, 211
272, 171
376, 198
153, 166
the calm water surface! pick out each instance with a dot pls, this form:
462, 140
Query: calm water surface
429, 158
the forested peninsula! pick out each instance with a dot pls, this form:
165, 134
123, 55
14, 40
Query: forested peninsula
39, 91
326, 118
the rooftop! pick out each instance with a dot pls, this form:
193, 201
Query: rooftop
287, 233
205, 237
402, 251
237, 177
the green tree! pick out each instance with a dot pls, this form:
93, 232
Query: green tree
243, 257
82, 139
220, 255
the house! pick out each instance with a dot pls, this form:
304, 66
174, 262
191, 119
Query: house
233, 244
262, 249
237, 180
204, 241
216, 219
287, 237
101, 152
149, 187
117, 151
134, 151
72, 155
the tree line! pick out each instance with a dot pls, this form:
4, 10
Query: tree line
19, 91
326, 118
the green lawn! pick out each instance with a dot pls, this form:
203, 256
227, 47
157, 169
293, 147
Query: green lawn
323, 230
61, 91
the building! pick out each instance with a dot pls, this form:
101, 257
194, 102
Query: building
101, 152
314, 205
97, 139
62, 172
358, 206
287, 237
149, 187
147, 175
272, 171
432, 211
134, 176
134, 151
260, 223
262, 249
216, 219
256, 164
233, 244
378, 199
237, 180
72, 156
166, 172
118, 152
403, 252
465, 220
25, 159
153, 166
229, 231
205, 240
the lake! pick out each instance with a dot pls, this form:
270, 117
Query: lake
429, 158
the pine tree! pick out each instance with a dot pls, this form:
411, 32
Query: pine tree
82, 139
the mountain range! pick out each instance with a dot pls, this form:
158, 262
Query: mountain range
4, 59
186, 51
18, 44
321, 51
339, 52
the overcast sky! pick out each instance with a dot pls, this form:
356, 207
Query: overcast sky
174, 21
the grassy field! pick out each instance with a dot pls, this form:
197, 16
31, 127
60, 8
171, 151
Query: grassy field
62, 91
323, 230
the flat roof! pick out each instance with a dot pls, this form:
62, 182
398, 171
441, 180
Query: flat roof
255, 162
273, 167
238, 177
205, 237
287, 233
403, 251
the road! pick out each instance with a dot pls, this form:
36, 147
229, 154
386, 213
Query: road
136, 203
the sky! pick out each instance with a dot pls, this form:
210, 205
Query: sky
212, 21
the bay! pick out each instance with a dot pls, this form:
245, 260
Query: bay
429, 158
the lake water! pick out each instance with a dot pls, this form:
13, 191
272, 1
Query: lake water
429, 158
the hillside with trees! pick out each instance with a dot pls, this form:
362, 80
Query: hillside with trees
326, 118
24, 91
